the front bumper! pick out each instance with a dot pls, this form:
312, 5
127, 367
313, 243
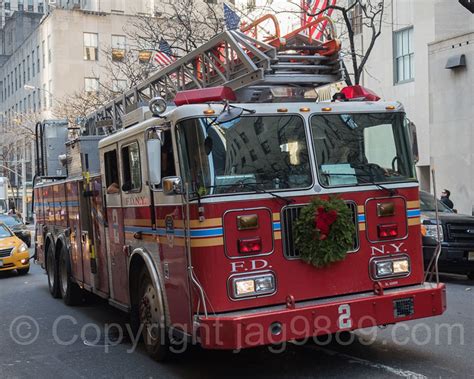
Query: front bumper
453, 258
13, 262
282, 323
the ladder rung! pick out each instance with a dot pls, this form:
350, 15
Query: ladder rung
298, 66
303, 57
299, 79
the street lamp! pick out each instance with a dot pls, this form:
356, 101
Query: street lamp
29, 87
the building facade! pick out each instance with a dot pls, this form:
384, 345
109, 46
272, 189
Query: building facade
51, 50
406, 65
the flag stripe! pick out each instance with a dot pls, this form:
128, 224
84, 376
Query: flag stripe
317, 31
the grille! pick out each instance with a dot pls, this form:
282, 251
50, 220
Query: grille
460, 232
290, 215
5, 252
403, 307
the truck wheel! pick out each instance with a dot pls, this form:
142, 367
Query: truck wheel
70, 291
52, 272
470, 275
154, 336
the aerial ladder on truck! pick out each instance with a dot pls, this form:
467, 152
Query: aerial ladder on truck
241, 62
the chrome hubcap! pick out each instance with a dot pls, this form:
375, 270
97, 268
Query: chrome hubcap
150, 315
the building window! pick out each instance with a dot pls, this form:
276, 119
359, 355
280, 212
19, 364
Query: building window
118, 48
355, 16
44, 96
37, 59
49, 49
40, 8
30, 6
39, 100
404, 56
91, 85
119, 85
34, 101
144, 56
43, 52
7, 5
16, 79
24, 72
91, 46
33, 71
21, 7
28, 67
132, 178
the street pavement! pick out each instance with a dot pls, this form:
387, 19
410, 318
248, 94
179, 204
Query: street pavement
41, 337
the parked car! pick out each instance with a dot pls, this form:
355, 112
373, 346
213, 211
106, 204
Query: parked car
456, 232
17, 226
14, 254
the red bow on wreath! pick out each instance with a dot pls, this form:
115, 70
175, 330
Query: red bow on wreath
323, 221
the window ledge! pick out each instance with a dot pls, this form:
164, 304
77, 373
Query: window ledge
404, 82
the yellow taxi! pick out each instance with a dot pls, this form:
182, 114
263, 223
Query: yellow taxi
14, 253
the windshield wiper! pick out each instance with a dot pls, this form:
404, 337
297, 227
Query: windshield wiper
252, 186
390, 191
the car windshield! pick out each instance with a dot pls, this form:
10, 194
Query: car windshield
357, 148
427, 203
10, 220
249, 153
4, 232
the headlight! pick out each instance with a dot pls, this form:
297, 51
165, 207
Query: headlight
22, 248
253, 285
391, 267
431, 231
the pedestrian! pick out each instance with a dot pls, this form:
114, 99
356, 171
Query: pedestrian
445, 198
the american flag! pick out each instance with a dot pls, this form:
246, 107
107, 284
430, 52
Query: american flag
164, 55
313, 7
232, 20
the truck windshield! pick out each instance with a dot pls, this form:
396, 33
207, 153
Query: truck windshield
361, 148
246, 154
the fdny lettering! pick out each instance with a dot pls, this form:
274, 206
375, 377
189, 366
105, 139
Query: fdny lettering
251, 265
392, 248
136, 200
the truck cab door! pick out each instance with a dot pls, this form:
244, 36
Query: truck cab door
170, 221
117, 258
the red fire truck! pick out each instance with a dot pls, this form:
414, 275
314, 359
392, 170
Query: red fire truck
182, 213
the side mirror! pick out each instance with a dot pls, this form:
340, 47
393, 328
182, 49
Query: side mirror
172, 185
414, 141
153, 151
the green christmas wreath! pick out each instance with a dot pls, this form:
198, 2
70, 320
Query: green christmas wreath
324, 231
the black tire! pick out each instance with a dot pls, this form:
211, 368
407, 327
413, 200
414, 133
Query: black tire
470, 275
52, 272
70, 291
155, 337
23, 271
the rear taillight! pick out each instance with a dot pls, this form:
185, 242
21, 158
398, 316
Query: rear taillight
250, 245
387, 230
